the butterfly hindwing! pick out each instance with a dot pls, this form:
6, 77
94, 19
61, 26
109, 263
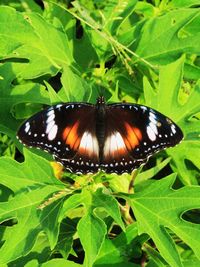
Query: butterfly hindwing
133, 133
68, 132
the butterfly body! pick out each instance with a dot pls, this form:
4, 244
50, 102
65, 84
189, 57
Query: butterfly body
100, 124
115, 138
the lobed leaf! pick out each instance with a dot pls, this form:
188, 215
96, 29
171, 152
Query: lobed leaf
159, 207
166, 99
32, 182
164, 38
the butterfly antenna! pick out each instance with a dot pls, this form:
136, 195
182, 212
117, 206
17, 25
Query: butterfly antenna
101, 93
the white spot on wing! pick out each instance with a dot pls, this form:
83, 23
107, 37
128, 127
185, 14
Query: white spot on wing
27, 127
151, 133
50, 118
59, 106
49, 126
89, 143
153, 127
50, 112
143, 108
53, 132
152, 117
113, 143
173, 128
120, 142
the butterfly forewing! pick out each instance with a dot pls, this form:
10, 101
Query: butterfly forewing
133, 133
68, 132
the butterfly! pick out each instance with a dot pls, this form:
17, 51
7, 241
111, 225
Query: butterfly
86, 138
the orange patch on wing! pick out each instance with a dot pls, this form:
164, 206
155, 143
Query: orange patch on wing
70, 136
85, 152
120, 153
133, 137
65, 133
76, 144
138, 133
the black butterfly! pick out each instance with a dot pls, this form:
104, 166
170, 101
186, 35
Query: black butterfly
86, 138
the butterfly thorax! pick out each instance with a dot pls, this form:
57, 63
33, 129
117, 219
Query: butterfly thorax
100, 124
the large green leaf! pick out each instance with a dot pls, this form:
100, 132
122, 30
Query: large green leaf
34, 48
25, 33
9, 97
162, 39
59, 263
117, 252
158, 208
31, 182
115, 12
166, 100
183, 3
26, 5
91, 227
92, 231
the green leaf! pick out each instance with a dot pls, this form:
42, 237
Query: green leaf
50, 222
32, 263
40, 251
191, 71
150, 173
26, 6
94, 35
191, 263
54, 97
116, 12
65, 239
98, 199
166, 100
34, 171
10, 97
117, 251
163, 39
72, 202
75, 88
156, 259
158, 208
36, 48
96, 228
48, 46
184, 3
92, 231
109, 203
60, 263
32, 182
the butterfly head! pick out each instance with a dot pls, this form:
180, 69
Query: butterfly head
100, 106
100, 101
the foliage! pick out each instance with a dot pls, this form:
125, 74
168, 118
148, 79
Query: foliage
134, 51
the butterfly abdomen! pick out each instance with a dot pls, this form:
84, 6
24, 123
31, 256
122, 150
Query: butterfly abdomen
100, 128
